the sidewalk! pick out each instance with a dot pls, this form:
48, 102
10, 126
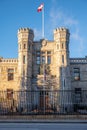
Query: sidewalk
43, 119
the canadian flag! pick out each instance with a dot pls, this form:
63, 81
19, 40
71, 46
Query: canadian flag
39, 9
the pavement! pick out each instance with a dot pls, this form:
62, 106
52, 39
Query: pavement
43, 119
43, 126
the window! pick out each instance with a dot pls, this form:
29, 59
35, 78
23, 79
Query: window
49, 59
62, 45
76, 74
78, 95
23, 59
38, 53
43, 59
38, 59
10, 74
9, 93
48, 52
63, 59
64, 82
43, 52
24, 46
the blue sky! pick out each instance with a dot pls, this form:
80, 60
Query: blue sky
15, 14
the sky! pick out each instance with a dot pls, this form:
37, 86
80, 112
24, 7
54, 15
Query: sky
15, 14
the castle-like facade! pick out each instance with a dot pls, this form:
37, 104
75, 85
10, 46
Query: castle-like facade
42, 65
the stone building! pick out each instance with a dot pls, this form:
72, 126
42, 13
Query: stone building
43, 65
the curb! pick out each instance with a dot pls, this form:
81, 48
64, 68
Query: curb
43, 121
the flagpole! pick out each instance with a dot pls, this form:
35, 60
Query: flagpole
43, 22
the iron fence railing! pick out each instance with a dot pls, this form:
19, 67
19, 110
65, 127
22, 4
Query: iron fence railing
43, 102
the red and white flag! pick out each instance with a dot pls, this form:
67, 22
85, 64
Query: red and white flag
39, 9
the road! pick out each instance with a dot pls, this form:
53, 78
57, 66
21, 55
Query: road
43, 126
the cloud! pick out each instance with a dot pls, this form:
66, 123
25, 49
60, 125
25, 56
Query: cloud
70, 21
57, 16
79, 40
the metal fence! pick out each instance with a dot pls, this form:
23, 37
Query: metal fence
44, 102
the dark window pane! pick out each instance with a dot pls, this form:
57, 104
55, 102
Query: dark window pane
10, 74
48, 52
49, 59
76, 74
38, 60
43, 59
62, 45
43, 52
78, 95
23, 59
63, 59
24, 46
38, 53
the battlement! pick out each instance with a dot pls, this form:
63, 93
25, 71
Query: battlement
9, 60
78, 60
61, 29
22, 30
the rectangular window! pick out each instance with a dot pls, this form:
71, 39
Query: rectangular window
38, 53
38, 59
64, 82
62, 45
76, 74
63, 59
23, 59
78, 95
48, 59
43, 59
9, 93
24, 46
48, 52
10, 74
43, 52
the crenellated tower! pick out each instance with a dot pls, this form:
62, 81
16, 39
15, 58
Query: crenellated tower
25, 41
61, 39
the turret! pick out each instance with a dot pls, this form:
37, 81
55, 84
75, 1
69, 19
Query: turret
61, 38
25, 41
